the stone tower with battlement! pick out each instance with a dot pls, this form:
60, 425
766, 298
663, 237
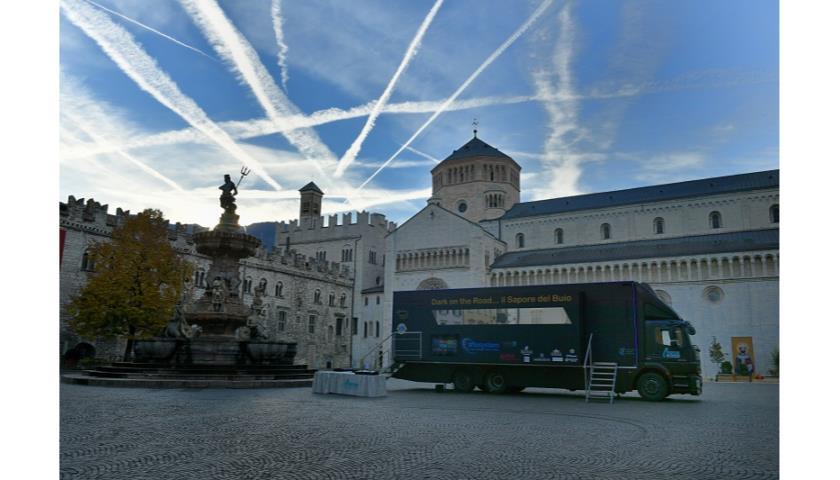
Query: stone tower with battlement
310, 204
356, 240
478, 182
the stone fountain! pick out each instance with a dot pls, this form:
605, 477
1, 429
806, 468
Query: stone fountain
231, 333
215, 340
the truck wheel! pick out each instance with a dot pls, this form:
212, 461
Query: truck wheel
495, 382
463, 381
652, 387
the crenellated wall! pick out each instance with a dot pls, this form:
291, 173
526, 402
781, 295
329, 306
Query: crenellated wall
86, 222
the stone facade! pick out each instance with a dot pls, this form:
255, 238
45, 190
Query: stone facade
304, 294
357, 243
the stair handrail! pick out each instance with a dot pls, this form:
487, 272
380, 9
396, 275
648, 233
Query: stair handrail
587, 366
374, 349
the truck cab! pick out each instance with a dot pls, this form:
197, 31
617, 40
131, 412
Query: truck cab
670, 362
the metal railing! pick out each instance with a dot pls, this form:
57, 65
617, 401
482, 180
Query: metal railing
408, 346
376, 348
587, 364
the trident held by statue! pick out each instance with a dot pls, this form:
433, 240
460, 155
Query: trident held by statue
244, 171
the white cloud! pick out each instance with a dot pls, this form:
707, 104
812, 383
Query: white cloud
561, 166
121, 47
489, 60
351, 153
670, 167
244, 61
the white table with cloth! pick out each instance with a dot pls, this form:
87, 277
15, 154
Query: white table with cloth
348, 383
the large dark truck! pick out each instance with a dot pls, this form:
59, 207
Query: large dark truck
505, 339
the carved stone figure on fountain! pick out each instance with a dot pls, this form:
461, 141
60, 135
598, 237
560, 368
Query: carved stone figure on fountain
218, 294
228, 198
256, 320
178, 326
229, 221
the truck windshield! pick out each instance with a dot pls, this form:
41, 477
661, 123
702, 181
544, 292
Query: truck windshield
669, 336
503, 316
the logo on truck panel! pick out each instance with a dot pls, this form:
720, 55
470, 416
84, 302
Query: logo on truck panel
474, 346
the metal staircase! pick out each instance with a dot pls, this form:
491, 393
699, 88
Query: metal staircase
404, 345
599, 377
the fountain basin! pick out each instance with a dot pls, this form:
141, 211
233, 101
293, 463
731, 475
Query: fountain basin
220, 243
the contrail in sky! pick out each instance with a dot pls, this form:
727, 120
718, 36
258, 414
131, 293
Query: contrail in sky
244, 129
244, 61
422, 154
353, 151
121, 47
518, 33
81, 125
151, 30
283, 49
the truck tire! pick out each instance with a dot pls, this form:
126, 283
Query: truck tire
495, 382
463, 381
652, 386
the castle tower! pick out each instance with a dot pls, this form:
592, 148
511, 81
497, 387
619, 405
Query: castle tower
477, 181
310, 205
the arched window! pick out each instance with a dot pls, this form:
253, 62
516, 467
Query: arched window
520, 240
201, 279
246, 287
321, 255
87, 261
658, 225
317, 298
606, 232
366, 301
558, 236
278, 289
715, 220
343, 301
263, 286
774, 214
332, 299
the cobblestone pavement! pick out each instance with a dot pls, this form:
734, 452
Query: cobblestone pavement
731, 431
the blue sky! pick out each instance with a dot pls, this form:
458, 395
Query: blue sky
160, 98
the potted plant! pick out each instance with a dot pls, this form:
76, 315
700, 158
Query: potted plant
725, 369
716, 355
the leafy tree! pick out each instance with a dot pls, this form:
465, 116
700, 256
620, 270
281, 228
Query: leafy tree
716, 352
138, 280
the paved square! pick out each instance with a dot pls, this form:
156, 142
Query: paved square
732, 431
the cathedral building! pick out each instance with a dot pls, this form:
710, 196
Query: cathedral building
708, 247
